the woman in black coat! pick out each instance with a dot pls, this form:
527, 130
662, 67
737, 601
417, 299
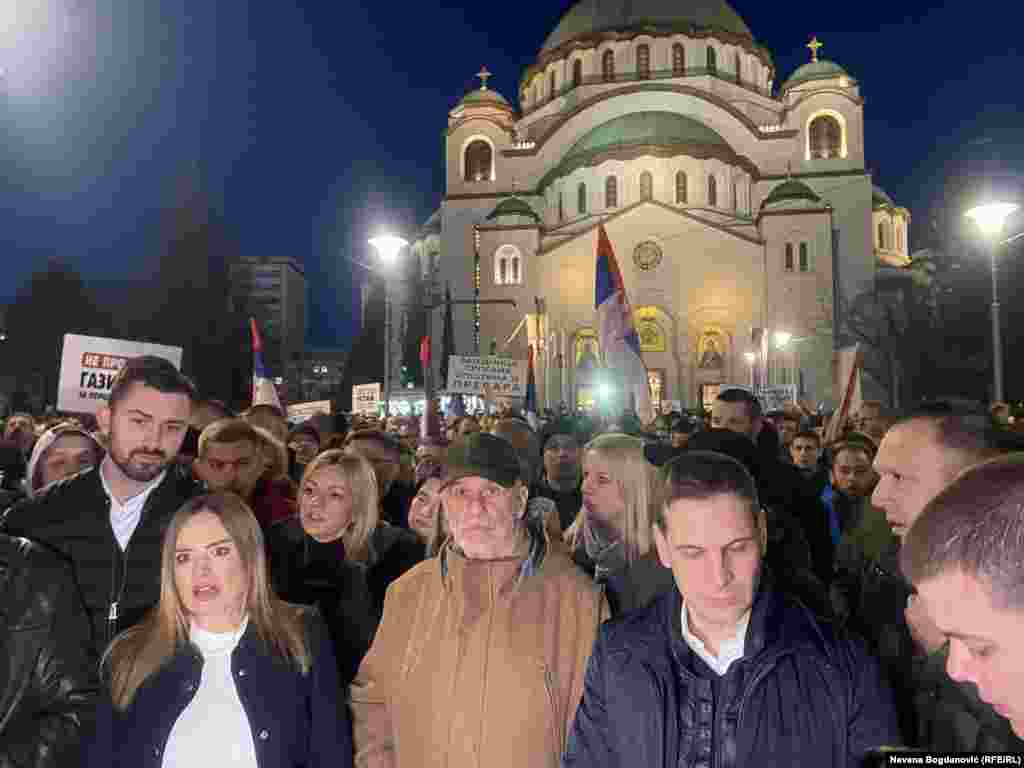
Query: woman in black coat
221, 672
338, 556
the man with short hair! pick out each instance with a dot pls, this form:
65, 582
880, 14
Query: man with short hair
384, 453
724, 670
963, 554
110, 521
562, 481
805, 450
525, 441
738, 411
918, 458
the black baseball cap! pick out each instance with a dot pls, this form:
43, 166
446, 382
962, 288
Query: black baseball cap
483, 455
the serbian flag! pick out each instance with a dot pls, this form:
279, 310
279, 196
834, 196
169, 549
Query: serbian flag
263, 390
530, 404
619, 340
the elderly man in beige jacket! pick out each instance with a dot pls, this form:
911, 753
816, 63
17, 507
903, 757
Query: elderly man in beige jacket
480, 658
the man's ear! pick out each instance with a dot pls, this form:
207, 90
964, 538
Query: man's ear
103, 417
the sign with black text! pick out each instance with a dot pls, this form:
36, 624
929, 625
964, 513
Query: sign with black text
88, 365
491, 376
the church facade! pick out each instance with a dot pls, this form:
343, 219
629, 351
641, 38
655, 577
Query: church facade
741, 212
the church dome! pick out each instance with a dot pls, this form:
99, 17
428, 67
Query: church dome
513, 206
880, 198
814, 70
484, 97
791, 190
644, 129
591, 17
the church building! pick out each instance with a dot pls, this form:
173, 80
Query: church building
740, 210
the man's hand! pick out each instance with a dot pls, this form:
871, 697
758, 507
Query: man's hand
922, 629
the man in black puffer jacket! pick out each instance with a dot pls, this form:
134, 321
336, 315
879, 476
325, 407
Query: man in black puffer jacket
110, 521
47, 673
725, 670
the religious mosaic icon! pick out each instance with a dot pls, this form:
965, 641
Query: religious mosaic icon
647, 255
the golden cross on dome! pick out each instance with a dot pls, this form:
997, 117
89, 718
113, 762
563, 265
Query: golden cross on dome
483, 74
814, 45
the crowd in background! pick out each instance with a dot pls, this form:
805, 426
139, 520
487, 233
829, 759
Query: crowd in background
186, 585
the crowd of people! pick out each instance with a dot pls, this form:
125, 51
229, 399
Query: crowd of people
182, 585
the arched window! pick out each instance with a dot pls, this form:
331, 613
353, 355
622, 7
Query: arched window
712, 191
611, 192
508, 266
789, 257
712, 60
577, 73
739, 71
888, 234
643, 61
735, 196
646, 185
678, 60
551, 83
478, 161
805, 261
681, 188
881, 236
826, 137
608, 66
561, 207
899, 238
581, 198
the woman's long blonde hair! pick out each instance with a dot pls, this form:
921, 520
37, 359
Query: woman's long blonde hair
362, 482
637, 479
138, 653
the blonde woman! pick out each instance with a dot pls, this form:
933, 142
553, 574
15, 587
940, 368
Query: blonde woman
338, 522
612, 537
221, 672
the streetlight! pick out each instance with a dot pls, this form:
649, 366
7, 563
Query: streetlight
388, 247
782, 338
990, 218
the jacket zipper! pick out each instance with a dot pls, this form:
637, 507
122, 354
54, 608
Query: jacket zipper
121, 559
556, 727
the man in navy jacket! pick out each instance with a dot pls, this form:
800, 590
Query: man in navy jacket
725, 670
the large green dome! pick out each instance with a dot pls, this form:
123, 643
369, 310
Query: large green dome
590, 17
645, 129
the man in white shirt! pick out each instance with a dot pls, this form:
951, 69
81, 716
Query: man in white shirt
725, 670
109, 521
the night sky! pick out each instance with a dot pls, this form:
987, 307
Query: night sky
315, 123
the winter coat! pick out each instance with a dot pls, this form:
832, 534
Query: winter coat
476, 665
633, 585
73, 517
48, 682
297, 720
804, 694
307, 572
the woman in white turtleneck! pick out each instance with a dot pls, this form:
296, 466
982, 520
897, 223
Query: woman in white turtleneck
221, 672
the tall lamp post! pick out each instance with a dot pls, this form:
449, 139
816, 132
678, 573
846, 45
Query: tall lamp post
990, 218
388, 247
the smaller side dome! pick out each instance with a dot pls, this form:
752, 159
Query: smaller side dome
814, 70
790, 191
880, 198
483, 96
513, 210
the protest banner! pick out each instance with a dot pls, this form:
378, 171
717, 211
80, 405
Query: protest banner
366, 399
299, 412
88, 365
776, 398
491, 376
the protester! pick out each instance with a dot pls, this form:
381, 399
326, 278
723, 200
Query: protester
848, 493
233, 457
480, 658
110, 521
425, 508
20, 429
563, 475
222, 672
60, 452
963, 554
467, 425
724, 669
270, 418
680, 431
526, 444
611, 538
430, 455
338, 508
384, 453
304, 444
48, 682
918, 458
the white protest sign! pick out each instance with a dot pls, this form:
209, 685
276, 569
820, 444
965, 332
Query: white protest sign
366, 399
88, 365
501, 376
776, 398
302, 411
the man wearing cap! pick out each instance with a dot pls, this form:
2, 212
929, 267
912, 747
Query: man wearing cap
480, 657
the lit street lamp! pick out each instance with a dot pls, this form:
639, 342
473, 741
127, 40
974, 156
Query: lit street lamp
388, 247
990, 219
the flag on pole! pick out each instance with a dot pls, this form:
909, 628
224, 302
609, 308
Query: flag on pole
848, 363
447, 336
263, 390
430, 426
530, 404
619, 340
